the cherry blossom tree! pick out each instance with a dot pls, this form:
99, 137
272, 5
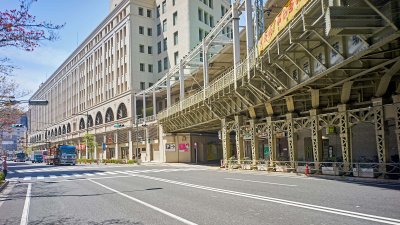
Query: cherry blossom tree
18, 28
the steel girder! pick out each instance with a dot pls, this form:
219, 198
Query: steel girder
300, 60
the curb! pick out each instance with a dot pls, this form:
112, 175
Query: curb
4, 185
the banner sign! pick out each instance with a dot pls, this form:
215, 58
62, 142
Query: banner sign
184, 147
170, 147
287, 14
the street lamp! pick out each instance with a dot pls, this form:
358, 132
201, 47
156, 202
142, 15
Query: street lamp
87, 130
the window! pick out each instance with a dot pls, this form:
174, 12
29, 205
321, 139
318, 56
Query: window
176, 38
206, 18
142, 67
173, 2
164, 25
149, 32
159, 66
158, 11
222, 10
149, 13
158, 29
150, 68
141, 30
200, 34
150, 84
210, 3
142, 85
211, 21
200, 12
174, 18
141, 48
140, 11
166, 63
176, 57
165, 44
159, 47
164, 6
150, 50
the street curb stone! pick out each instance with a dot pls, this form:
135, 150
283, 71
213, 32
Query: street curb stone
4, 185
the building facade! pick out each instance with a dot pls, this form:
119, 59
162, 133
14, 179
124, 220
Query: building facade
93, 91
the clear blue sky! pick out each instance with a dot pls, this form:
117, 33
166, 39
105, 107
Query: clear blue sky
81, 18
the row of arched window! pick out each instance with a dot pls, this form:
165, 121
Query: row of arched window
65, 129
109, 117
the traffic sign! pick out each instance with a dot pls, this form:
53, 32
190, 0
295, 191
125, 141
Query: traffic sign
104, 146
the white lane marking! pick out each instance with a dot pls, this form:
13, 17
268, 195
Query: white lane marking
14, 178
101, 174
53, 177
65, 175
185, 221
27, 178
88, 174
363, 216
262, 182
25, 212
40, 178
77, 175
110, 173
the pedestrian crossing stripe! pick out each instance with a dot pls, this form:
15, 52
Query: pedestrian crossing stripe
28, 178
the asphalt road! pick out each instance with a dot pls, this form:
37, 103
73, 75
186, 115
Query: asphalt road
189, 194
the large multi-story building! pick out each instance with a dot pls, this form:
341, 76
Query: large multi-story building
93, 91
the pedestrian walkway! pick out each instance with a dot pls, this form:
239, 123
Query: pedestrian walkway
314, 178
97, 174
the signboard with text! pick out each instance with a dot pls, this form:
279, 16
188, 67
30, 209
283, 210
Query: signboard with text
170, 147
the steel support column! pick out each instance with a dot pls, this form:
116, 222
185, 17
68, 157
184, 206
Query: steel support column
316, 136
144, 107
205, 69
226, 141
239, 138
292, 139
249, 33
254, 142
380, 136
271, 140
181, 84
345, 132
396, 100
168, 92
154, 103
236, 43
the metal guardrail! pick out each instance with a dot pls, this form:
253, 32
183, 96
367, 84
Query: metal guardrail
391, 170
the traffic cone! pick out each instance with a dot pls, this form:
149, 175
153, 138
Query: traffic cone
307, 170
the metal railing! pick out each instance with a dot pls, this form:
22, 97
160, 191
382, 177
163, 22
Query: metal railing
372, 170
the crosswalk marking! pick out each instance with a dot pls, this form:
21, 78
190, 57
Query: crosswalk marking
101, 174
104, 173
110, 173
